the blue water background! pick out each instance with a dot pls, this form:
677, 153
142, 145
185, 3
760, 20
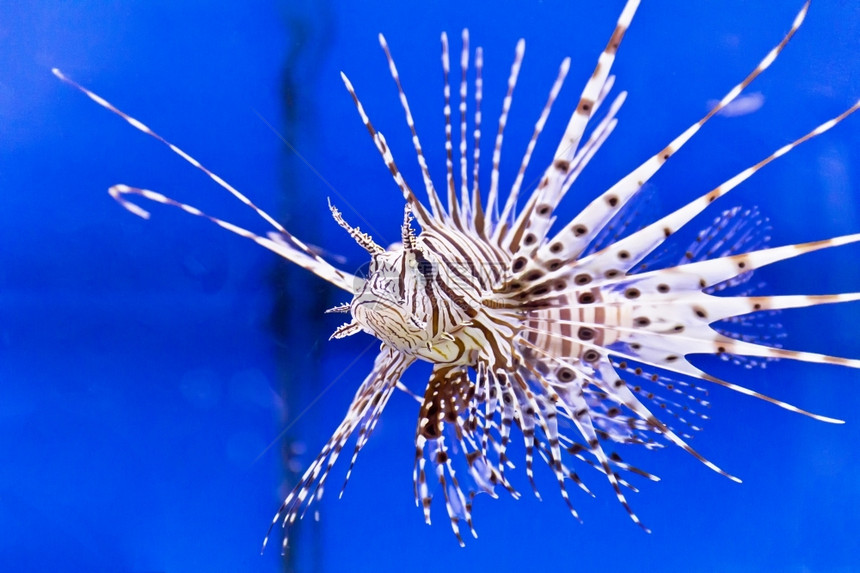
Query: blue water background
140, 374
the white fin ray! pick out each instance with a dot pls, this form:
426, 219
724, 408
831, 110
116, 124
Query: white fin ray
552, 186
638, 245
281, 243
478, 222
453, 203
422, 215
464, 161
569, 143
491, 211
432, 195
579, 414
576, 235
722, 307
366, 406
513, 194
652, 351
618, 389
701, 274
665, 349
289, 247
529, 230
695, 276
140, 126
701, 339
594, 143
531, 225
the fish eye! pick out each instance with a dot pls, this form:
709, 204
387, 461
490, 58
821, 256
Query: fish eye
425, 267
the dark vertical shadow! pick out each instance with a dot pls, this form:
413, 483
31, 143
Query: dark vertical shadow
299, 297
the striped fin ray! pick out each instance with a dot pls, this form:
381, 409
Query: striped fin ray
575, 449
478, 223
702, 274
282, 242
464, 161
662, 333
513, 194
594, 87
585, 424
140, 126
529, 229
536, 414
364, 433
453, 204
626, 253
449, 400
665, 352
682, 399
619, 391
421, 213
609, 382
552, 186
432, 195
366, 406
558, 399
550, 450
491, 211
734, 231
570, 241
578, 411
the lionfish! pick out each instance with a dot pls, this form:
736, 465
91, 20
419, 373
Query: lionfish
564, 334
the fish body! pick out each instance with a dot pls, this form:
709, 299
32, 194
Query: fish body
559, 333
